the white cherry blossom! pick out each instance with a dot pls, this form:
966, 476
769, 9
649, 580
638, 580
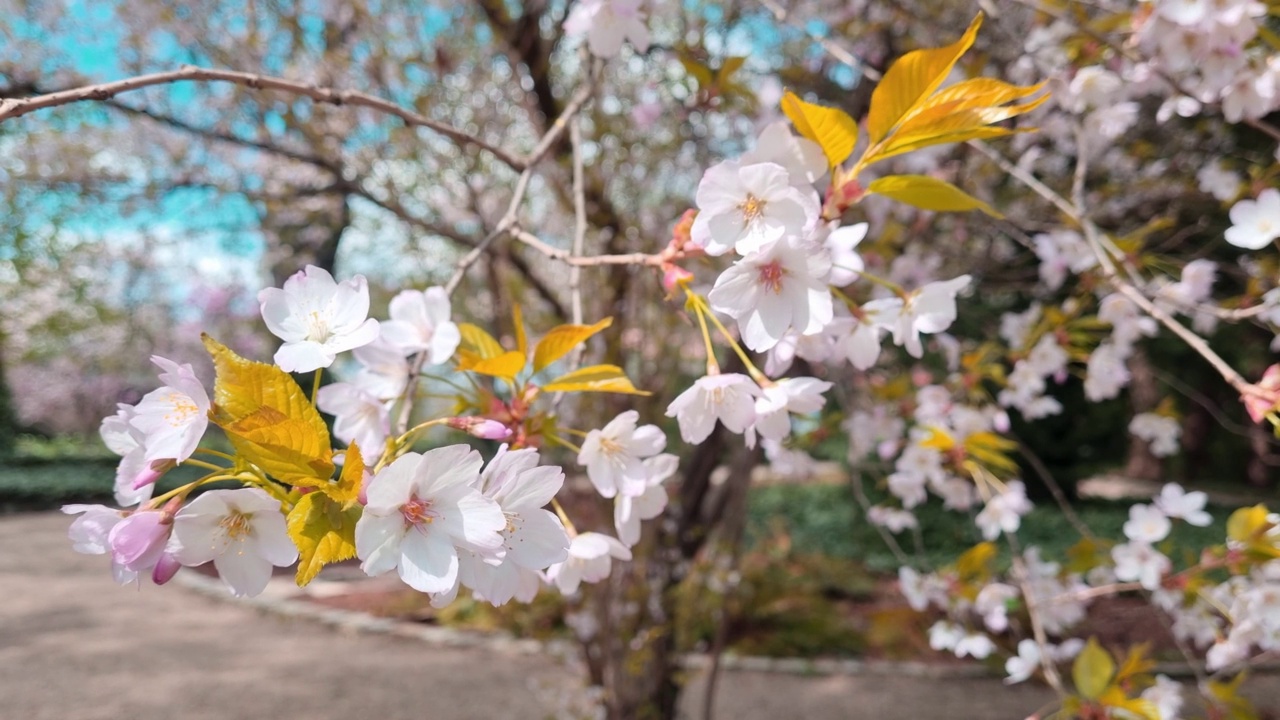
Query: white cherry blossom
420, 323
1160, 431
774, 290
420, 509
931, 309
1255, 223
628, 511
608, 24
358, 417
802, 158
841, 246
746, 207
317, 318
533, 539
1146, 524
1175, 502
729, 398
1023, 665
614, 455
590, 560
802, 395
1003, 513
173, 418
242, 531
1138, 561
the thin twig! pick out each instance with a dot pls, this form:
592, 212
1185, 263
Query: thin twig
17, 107
567, 256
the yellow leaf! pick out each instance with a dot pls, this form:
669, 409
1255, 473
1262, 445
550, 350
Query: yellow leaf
560, 340
1092, 670
1246, 524
522, 341
268, 418
1136, 662
596, 378
911, 79
507, 365
476, 345
975, 563
832, 128
697, 70
928, 193
728, 68
323, 531
938, 439
958, 126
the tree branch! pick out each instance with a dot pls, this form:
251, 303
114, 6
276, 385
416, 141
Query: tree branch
17, 107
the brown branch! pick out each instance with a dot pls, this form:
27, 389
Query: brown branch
17, 107
576, 261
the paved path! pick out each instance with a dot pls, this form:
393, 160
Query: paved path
74, 646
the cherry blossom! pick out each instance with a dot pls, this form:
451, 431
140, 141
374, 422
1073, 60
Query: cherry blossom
317, 318
1255, 223
533, 539
420, 509
242, 531
90, 532
729, 398
841, 245
1141, 562
1022, 666
141, 543
1003, 513
358, 417
802, 395
746, 207
1160, 431
590, 560
1175, 502
629, 510
1146, 524
802, 158
931, 309
608, 24
173, 418
774, 290
384, 370
614, 455
420, 323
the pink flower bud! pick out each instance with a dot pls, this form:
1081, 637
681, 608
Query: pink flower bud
166, 567
673, 275
1258, 405
138, 541
481, 427
153, 472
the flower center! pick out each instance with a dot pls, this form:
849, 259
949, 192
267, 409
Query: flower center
610, 447
417, 511
182, 409
318, 327
752, 208
771, 276
236, 526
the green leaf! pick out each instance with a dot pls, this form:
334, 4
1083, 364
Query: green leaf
323, 531
595, 378
831, 128
1092, 670
911, 79
268, 418
928, 193
561, 339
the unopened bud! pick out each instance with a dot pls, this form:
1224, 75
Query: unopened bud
673, 275
480, 427
153, 472
166, 567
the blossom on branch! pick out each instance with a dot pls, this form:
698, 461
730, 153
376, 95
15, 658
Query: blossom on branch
317, 318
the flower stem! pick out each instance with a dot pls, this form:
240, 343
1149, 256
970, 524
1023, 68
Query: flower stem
557, 439
564, 517
315, 385
705, 310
